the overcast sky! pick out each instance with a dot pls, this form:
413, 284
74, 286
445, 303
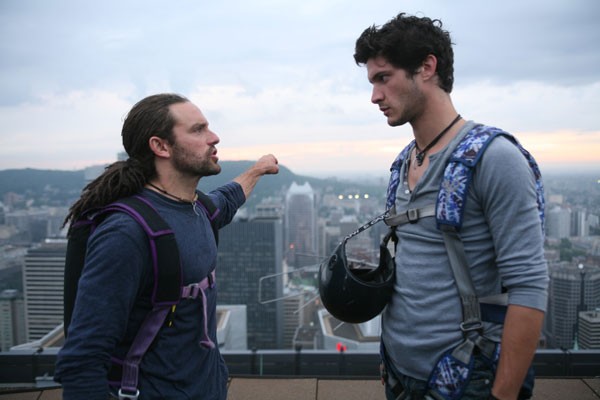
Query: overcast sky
278, 77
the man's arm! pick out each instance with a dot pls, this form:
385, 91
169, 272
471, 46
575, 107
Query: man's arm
522, 328
265, 165
116, 259
509, 194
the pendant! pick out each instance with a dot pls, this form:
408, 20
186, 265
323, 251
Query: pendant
419, 158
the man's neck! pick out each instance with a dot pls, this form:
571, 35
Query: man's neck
175, 186
438, 114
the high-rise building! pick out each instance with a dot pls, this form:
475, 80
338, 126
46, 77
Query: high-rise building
12, 319
291, 318
299, 309
558, 223
589, 330
579, 223
249, 267
573, 288
43, 276
300, 226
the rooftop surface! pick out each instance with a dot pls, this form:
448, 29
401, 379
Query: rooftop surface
254, 388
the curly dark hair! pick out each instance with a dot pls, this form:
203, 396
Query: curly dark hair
405, 42
148, 117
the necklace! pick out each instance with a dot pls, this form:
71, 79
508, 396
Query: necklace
192, 202
420, 154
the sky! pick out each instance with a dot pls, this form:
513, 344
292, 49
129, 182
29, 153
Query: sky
279, 77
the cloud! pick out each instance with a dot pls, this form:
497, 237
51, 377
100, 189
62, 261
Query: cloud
278, 74
63, 131
531, 106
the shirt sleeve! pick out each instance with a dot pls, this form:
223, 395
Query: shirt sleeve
508, 196
228, 198
110, 280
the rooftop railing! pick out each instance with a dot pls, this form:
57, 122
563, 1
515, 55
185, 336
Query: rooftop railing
26, 367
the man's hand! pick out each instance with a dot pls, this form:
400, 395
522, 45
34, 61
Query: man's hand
266, 165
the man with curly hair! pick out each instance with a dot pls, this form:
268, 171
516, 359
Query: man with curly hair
409, 62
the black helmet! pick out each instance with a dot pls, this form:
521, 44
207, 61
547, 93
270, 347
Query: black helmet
356, 295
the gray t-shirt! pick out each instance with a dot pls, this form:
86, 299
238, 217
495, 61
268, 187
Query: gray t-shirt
503, 242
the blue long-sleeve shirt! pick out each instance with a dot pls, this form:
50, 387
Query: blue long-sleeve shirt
114, 297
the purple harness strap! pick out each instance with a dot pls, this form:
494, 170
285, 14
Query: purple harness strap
140, 345
191, 292
149, 329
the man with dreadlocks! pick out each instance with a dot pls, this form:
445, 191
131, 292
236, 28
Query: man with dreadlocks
170, 147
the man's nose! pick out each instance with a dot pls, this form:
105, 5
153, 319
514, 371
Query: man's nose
376, 95
214, 138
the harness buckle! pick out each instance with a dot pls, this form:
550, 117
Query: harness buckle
127, 396
412, 215
471, 326
193, 291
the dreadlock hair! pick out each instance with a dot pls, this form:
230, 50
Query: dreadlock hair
405, 41
149, 117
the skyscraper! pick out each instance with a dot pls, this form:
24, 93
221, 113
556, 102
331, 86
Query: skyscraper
12, 319
573, 288
558, 223
300, 226
43, 276
579, 223
248, 252
589, 330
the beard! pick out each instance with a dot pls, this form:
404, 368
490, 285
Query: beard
189, 164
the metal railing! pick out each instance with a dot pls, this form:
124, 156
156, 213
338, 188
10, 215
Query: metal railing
22, 367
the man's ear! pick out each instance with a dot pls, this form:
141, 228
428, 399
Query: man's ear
160, 147
429, 67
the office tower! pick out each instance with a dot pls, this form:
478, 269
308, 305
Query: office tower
12, 319
558, 223
573, 288
299, 307
249, 266
579, 223
300, 226
43, 288
291, 317
589, 330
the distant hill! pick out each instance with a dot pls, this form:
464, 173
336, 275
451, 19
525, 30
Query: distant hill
23, 181
67, 185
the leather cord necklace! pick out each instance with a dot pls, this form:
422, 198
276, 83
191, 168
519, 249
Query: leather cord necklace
420, 154
192, 202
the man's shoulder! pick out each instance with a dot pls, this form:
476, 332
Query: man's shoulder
116, 225
490, 141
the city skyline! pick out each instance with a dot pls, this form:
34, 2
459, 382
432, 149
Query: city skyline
278, 77
247, 253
